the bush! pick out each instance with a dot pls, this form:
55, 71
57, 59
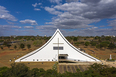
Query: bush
28, 46
18, 70
15, 47
1, 40
75, 38
93, 43
111, 46
98, 46
22, 46
1, 47
104, 44
3, 70
8, 45
87, 43
110, 60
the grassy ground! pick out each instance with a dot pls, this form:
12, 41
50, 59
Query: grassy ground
10, 53
99, 53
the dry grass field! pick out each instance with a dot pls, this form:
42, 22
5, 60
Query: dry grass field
101, 54
10, 53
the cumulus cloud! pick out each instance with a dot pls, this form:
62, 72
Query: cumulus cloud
81, 14
4, 14
6, 30
52, 11
112, 23
28, 27
35, 5
32, 22
37, 9
11, 22
9, 26
55, 1
71, 0
46, 27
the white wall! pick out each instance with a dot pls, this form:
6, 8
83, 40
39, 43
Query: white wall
46, 52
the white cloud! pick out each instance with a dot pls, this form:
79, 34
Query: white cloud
52, 11
46, 27
76, 14
16, 27
9, 26
32, 22
55, 1
28, 27
71, 0
35, 5
39, 3
112, 23
10, 22
4, 14
37, 9
106, 1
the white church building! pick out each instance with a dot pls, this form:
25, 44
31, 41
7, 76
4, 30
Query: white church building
56, 48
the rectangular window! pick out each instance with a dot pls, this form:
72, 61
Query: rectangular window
56, 48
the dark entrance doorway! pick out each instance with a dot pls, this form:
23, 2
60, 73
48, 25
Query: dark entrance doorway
62, 57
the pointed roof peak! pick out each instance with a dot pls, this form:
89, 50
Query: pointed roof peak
57, 29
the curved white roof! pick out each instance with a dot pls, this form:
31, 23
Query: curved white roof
48, 53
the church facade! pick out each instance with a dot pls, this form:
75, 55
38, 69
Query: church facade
55, 49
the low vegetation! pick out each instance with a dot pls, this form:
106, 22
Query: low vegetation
21, 70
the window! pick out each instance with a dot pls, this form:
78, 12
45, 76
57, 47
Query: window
56, 48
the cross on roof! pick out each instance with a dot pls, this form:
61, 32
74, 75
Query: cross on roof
58, 46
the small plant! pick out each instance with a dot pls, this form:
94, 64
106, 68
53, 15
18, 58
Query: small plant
28, 46
15, 47
110, 60
55, 66
87, 43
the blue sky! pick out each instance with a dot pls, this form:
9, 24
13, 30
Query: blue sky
72, 17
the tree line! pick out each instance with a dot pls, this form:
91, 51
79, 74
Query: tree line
15, 47
21, 70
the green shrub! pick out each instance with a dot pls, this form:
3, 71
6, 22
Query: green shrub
111, 46
110, 60
87, 43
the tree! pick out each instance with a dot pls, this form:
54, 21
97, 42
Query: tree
111, 46
97, 37
108, 38
32, 39
1, 47
87, 43
3, 70
28, 46
15, 47
104, 44
18, 70
75, 38
1, 40
22, 46
93, 43
8, 45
